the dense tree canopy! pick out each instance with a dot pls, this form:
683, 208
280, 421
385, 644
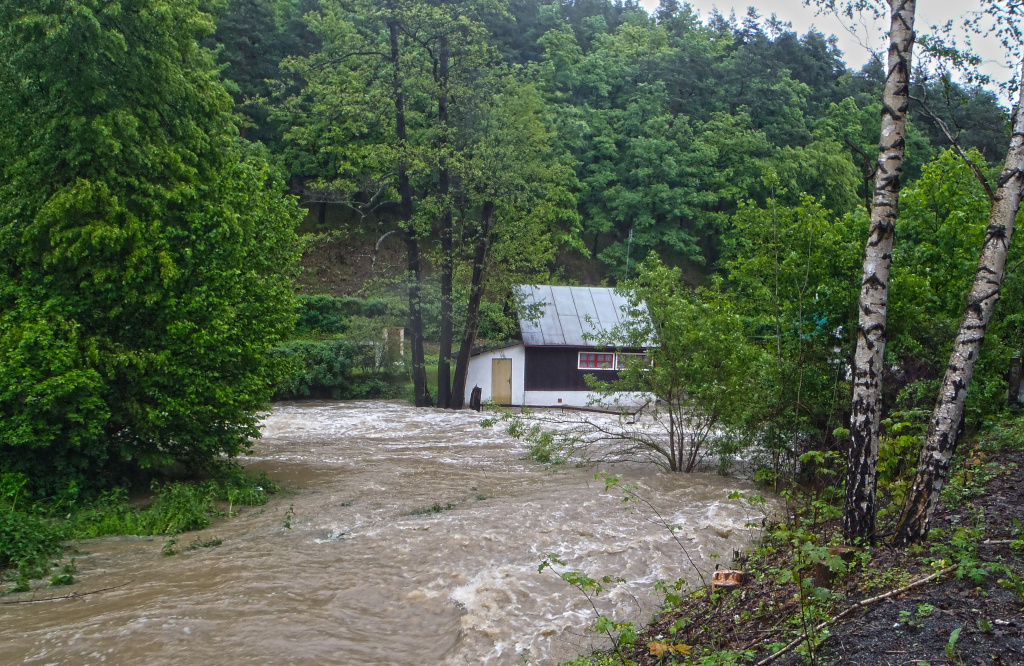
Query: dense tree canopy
728, 146
490, 141
146, 253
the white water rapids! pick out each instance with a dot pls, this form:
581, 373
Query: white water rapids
359, 578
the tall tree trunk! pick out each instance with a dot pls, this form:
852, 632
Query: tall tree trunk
419, 369
444, 381
866, 406
476, 295
419, 374
944, 429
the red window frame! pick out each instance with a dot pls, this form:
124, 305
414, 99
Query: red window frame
595, 361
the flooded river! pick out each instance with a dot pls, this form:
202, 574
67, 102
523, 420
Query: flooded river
341, 569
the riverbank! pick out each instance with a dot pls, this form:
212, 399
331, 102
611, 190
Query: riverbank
958, 600
34, 533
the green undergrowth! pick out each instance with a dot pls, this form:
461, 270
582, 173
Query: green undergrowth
800, 576
436, 507
33, 532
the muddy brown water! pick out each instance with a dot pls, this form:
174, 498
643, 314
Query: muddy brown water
359, 578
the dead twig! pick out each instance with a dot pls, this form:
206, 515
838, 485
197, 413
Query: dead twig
860, 604
73, 595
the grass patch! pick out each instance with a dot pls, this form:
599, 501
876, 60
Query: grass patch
198, 543
28, 545
178, 507
32, 534
66, 575
437, 507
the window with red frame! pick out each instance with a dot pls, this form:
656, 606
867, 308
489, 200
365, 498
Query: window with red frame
596, 361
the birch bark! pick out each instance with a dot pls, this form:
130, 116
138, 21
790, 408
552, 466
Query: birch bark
944, 429
862, 467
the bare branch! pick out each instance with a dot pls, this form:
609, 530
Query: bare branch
956, 146
860, 604
73, 595
867, 161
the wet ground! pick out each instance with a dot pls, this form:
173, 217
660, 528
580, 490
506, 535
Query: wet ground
987, 616
971, 615
406, 536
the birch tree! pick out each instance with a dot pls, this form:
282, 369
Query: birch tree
866, 406
944, 429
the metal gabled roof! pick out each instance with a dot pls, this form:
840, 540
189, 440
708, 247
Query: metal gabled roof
570, 316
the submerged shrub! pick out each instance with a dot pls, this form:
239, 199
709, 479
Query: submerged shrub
245, 489
28, 544
179, 507
32, 534
107, 515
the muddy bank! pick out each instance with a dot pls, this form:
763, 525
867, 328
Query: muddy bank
411, 536
958, 599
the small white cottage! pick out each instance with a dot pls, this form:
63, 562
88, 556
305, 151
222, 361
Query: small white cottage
558, 349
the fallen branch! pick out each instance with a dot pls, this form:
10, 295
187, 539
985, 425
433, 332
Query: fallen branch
73, 595
860, 604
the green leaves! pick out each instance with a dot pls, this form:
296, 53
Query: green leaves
698, 367
943, 217
791, 272
146, 252
27, 543
954, 636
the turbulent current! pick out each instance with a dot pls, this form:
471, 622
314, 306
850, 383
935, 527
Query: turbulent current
347, 567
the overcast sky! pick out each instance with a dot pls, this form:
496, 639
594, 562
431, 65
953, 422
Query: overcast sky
934, 12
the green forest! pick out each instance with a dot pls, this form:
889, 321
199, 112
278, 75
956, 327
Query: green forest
207, 205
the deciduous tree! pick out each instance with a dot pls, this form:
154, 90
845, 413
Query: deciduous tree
146, 252
869, 356
945, 426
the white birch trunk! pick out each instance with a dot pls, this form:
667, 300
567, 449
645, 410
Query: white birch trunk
862, 467
944, 428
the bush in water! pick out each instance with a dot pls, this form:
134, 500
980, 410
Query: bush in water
28, 544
